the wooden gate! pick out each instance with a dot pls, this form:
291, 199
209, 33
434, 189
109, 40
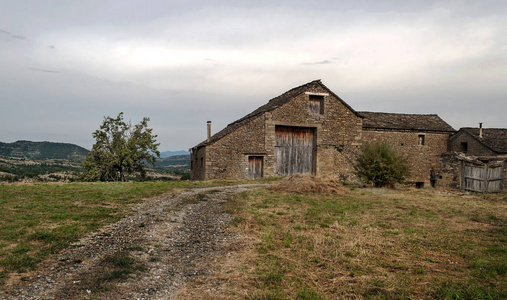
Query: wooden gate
255, 167
483, 178
293, 150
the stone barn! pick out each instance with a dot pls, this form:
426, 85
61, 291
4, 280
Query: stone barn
309, 129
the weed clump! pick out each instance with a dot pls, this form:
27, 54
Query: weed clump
309, 184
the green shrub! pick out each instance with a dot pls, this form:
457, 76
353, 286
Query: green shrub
381, 164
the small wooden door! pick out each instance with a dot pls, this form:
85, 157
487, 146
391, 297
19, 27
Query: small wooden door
293, 150
255, 167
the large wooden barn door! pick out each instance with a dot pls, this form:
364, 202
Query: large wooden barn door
293, 150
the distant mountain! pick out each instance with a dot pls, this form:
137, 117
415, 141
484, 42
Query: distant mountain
179, 163
43, 150
173, 153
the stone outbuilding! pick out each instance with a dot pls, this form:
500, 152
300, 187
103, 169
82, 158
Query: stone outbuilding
477, 160
480, 141
309, 129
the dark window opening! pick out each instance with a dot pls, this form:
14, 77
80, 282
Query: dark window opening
202, 161
316, 104
419, 185
420, 140
464, 147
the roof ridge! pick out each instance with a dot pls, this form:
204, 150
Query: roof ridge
387, 113
485, 128
404, 121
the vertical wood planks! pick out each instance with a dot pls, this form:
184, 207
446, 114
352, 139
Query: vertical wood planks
293, 150
483, 178
255, 165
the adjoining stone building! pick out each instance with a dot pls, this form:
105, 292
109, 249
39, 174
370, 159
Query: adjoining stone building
309, 129
477, 160
480, 141
421, 138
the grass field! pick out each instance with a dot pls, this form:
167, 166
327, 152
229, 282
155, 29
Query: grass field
43, 218
372, 244
363, 243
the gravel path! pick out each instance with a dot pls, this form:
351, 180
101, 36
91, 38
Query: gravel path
173, 239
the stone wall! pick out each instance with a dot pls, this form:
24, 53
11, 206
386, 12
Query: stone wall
197, 164
228, 157
451, 171
451, 168
422, 159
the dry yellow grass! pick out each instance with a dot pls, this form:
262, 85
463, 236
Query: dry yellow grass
364, 243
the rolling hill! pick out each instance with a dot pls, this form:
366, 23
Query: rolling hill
43, 150
26, 159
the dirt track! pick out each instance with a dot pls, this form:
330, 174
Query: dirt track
175, 238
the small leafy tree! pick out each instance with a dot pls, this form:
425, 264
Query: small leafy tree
120, 149
381, 164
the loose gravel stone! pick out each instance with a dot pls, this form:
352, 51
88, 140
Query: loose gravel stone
176, 238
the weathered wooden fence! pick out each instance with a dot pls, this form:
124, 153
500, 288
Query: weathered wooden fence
487, 177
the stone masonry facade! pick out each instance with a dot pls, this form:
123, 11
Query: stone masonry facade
338, 133
423, 159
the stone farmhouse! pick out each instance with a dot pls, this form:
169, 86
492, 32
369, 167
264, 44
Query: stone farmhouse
310, 129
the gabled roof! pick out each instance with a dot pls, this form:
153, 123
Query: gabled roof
270, 106
493, 138
413, 122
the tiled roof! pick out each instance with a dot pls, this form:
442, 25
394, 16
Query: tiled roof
270, 106
493, 138
413, 122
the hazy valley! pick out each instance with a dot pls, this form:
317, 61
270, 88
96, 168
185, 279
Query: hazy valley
49, 161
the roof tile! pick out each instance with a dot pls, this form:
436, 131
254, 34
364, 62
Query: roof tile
395, 121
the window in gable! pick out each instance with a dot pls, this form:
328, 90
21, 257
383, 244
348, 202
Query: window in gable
316, 105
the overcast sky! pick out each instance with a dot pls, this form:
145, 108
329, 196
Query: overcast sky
66, 64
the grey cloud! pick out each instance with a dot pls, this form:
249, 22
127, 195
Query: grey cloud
36, 105
45, 70
12, 36
323, 62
